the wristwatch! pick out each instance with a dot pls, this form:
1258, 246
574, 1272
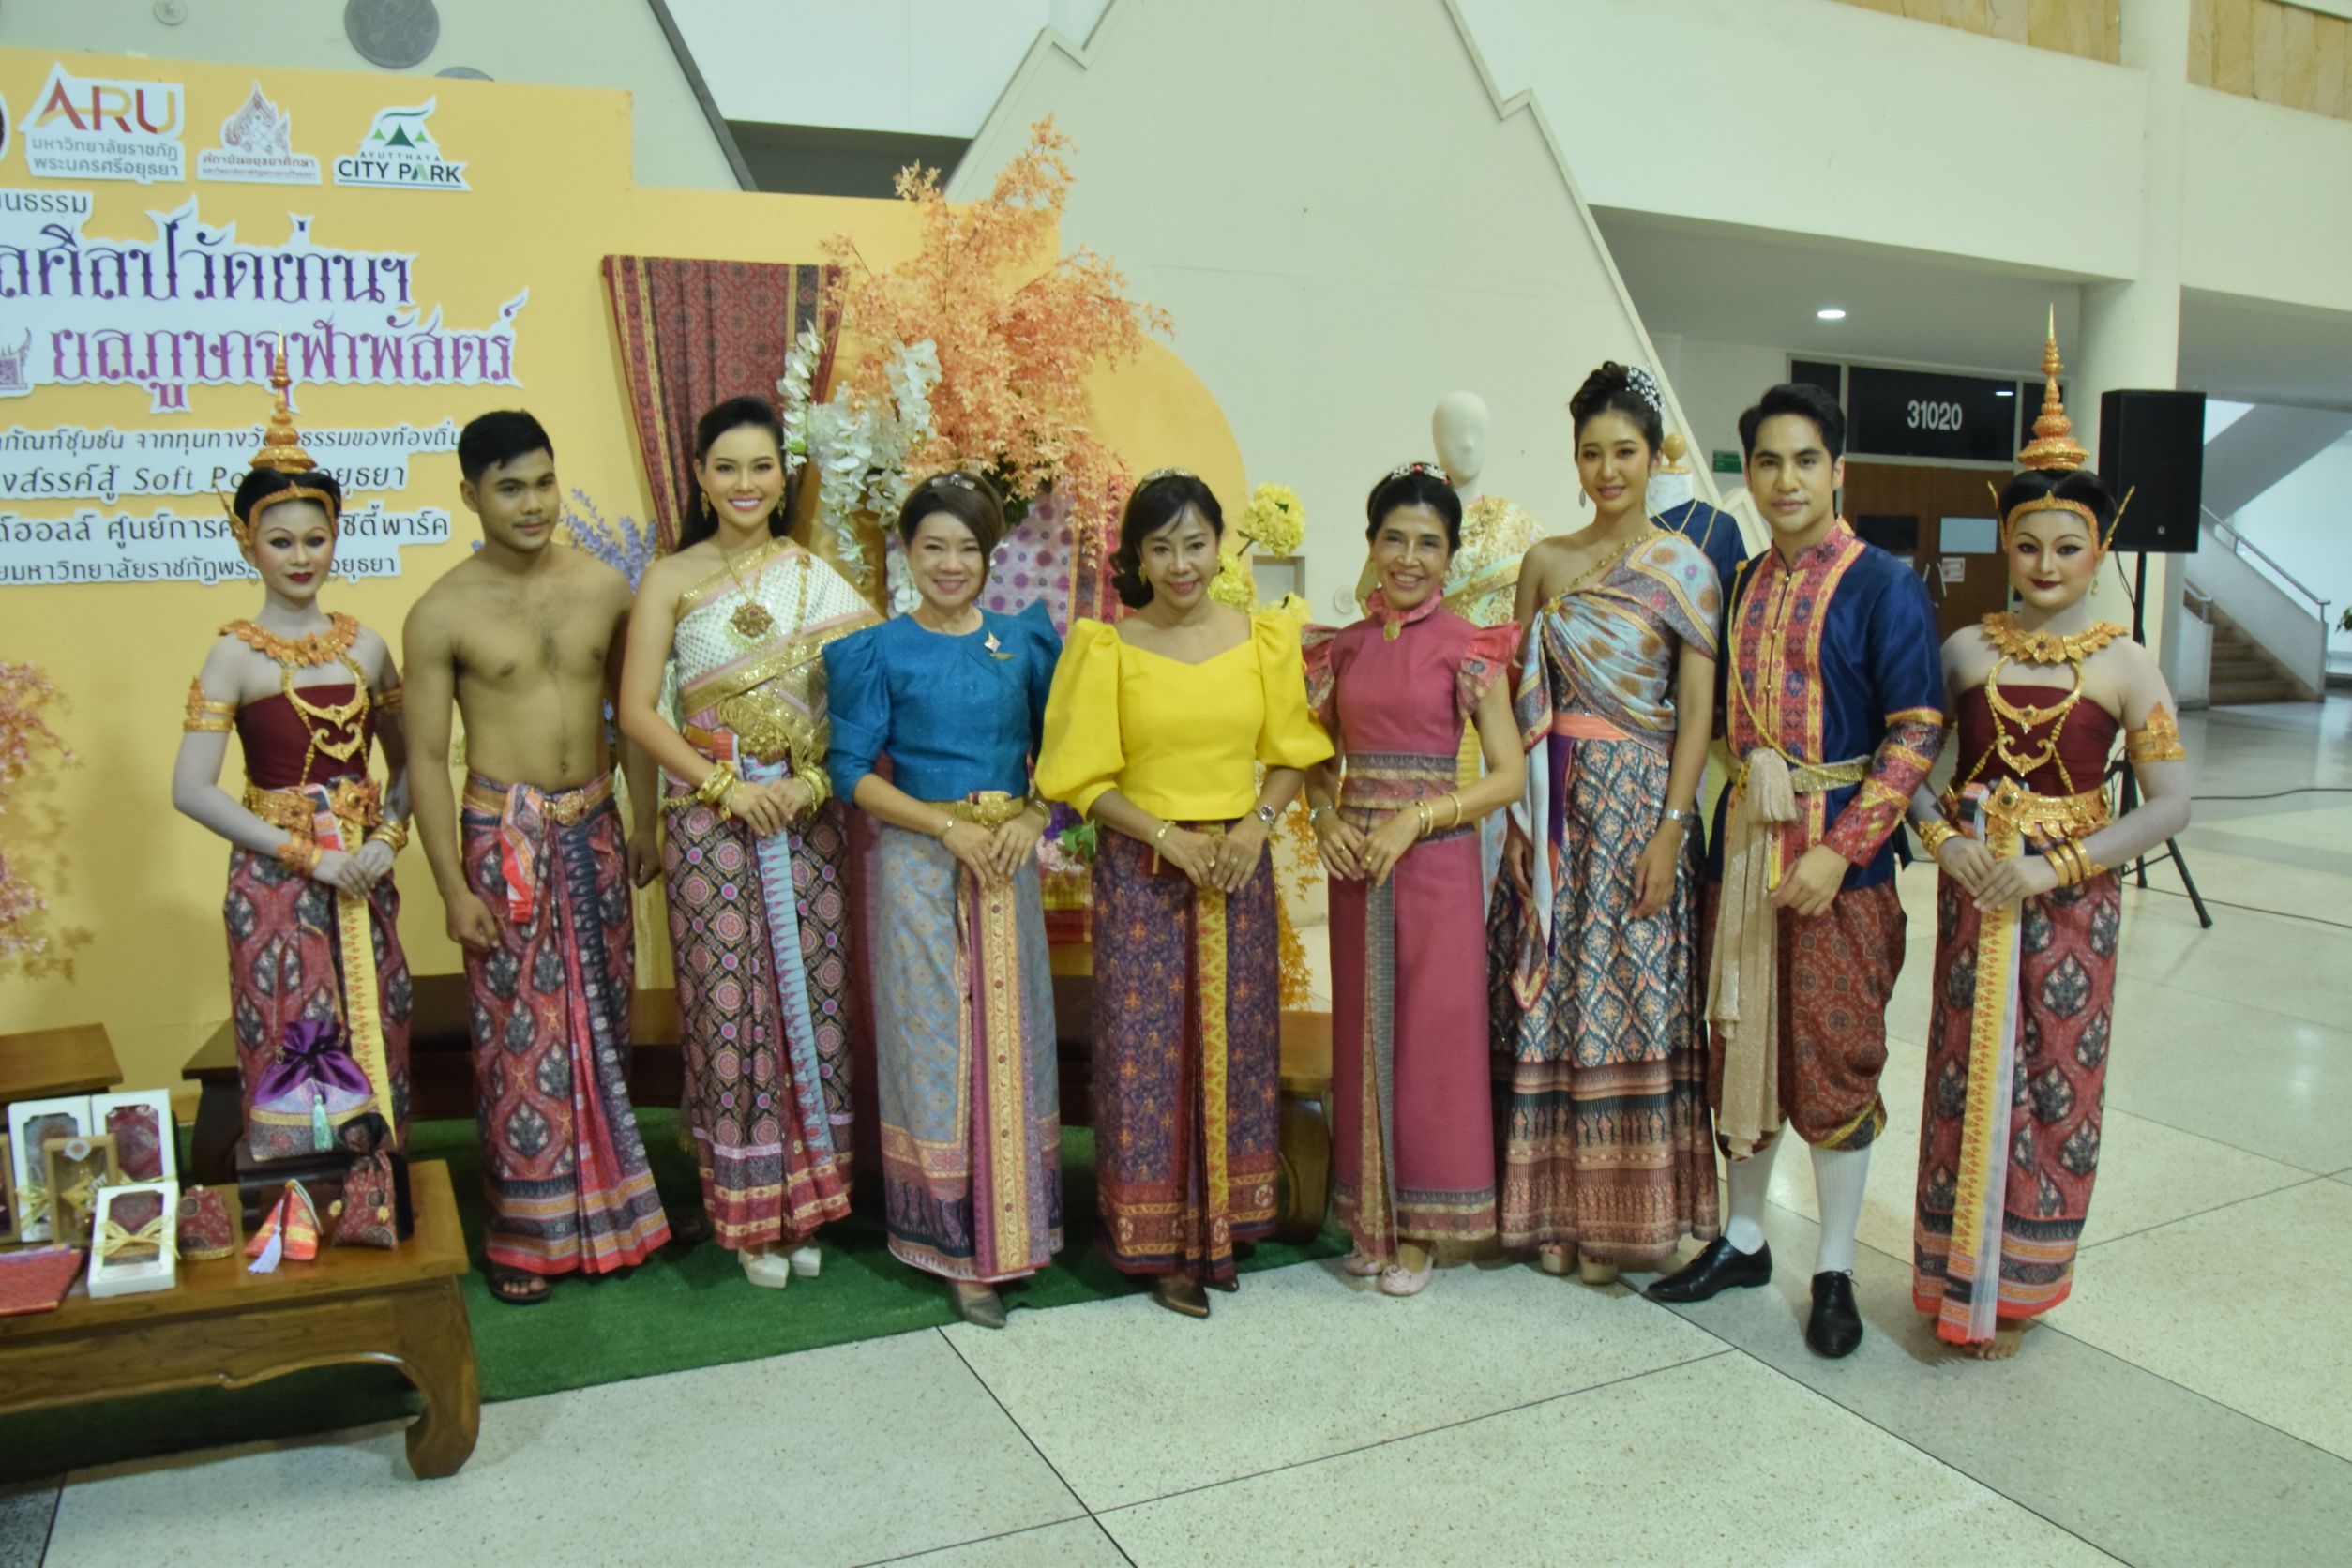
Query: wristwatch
1266, 815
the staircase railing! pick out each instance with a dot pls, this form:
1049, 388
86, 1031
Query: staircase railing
2261, 559
2300, 645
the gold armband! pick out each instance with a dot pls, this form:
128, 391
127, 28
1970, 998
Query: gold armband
206, 717
2159, 741
1935, 835
712, 792
389, 701
299, 855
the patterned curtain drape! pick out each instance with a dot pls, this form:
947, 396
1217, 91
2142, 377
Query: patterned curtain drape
693, 333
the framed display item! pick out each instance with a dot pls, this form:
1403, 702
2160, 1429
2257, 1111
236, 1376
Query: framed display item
31, 1125
78, 1167
131, 1244
7, 1191
140, 1123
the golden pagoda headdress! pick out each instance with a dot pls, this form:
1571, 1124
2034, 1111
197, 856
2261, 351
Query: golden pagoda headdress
2054, 446
281, 453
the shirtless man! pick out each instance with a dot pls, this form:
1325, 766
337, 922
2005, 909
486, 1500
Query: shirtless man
538, 877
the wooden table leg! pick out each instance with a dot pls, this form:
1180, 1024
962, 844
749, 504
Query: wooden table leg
437, 1355
1305, 1133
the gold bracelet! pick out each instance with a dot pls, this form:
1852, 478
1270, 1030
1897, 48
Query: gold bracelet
946, 826
1935, 835
2065, 861
1423, 807
299, 856
2090, 868
1456, 796
713, 790
391, 834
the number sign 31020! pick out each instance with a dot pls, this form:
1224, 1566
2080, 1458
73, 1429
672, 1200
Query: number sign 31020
1932, 415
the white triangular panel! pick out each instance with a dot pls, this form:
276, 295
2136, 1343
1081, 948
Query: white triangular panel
1347, 223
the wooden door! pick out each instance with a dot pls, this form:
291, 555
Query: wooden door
1952, 535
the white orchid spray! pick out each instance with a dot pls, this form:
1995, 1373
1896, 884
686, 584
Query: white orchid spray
856, 449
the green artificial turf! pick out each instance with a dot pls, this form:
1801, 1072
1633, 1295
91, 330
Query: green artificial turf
681, 1309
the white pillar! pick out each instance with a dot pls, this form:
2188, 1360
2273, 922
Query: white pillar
2131, 331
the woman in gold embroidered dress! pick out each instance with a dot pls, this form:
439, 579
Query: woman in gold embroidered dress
755, 853
318, 987
2027, 912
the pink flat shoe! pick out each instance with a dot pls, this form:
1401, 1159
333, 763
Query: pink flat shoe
1397, 1280
1360, 1266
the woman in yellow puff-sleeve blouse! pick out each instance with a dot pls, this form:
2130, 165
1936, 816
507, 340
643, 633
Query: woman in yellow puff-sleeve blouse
1155, 728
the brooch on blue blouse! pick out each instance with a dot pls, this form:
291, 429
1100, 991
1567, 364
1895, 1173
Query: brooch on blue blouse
995, 648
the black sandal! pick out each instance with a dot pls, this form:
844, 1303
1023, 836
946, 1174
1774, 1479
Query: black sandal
689, 1230
516, 1287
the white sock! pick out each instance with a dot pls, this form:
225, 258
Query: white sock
1839, 1176
1749, 1179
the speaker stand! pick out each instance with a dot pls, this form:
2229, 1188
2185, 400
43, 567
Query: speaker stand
2131, 779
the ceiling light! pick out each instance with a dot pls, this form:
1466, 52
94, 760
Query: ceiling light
1831, 313
2004, 392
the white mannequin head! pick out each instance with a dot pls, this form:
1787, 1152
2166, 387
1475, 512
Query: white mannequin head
1457, 432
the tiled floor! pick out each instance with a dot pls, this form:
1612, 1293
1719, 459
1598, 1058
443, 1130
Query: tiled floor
2186, 1407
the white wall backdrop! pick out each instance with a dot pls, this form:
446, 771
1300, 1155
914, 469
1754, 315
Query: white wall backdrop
1329, 295
2304, 523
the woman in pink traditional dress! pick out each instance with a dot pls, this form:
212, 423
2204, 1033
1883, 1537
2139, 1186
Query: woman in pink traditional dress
1607, 1148
318, 987
2027, 912
759, 910
1412, 1133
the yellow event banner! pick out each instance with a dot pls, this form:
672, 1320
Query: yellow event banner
430, 250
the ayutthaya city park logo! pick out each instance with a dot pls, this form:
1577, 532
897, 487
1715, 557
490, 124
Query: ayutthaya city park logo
399, 153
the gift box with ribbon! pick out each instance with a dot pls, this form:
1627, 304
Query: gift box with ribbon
133, 1245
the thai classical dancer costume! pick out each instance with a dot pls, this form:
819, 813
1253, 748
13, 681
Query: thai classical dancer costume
971, 1120
1599, 1060
1187, 983
1833, 703
759, 926
318, 984
565, 1172
2023, 1006
1412, 1135
1482, 581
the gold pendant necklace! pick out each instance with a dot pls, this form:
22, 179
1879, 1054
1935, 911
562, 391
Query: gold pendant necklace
2010, 641
751, 620
1609, 562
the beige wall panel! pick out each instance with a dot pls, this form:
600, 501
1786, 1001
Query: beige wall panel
2269, 54
2328, 64
1924, 10
2233, 46
2008, 20
1972, 16
2201, 43
2296, 42
2068, 26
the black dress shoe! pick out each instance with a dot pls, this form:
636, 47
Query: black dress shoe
1226, 1283
1722, 1267
1835, 1327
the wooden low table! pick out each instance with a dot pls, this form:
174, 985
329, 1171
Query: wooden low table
222, 1327
41, 1063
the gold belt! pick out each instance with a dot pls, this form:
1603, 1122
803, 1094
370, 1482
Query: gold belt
354, 802
1813, 778
764, 744
566, 807
2039, 819
989, 809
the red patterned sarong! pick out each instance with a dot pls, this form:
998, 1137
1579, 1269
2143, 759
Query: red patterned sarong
1187, 1060
1836, 973
564, 1170
2065, 961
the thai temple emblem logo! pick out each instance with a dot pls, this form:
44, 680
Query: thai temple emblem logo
257, 147
103, 128
399, 153
16, 380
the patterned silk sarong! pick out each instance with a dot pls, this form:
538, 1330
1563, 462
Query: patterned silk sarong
564, 1170
770, 1120
1187, 1058
291, 940
2017, 1074
968, 1077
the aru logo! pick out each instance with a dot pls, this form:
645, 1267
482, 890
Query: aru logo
399, 152
106, 128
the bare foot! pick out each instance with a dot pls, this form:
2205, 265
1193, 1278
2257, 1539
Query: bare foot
2007, 1335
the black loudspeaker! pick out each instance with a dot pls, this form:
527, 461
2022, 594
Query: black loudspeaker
2152, 446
